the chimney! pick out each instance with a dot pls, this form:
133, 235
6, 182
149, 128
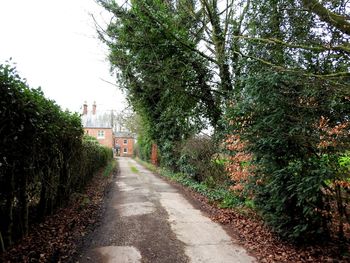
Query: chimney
94, 108
85, 108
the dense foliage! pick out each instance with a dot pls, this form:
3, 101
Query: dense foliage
43, 157
166, 84
285, 93
270, 77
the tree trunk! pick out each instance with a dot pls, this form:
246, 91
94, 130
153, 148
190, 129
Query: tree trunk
8, 211
43, 200
9, 220
2, 245
219, 42
23, 201
340, 207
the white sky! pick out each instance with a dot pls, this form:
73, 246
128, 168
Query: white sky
55, 46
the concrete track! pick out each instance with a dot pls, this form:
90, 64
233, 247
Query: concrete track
148, 220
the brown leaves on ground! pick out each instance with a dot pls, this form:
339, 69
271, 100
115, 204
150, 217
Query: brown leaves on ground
56, 239
251, 232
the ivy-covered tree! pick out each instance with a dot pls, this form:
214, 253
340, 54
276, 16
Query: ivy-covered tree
292, 77
166, 84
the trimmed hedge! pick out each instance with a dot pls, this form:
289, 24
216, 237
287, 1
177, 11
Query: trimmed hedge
43, 157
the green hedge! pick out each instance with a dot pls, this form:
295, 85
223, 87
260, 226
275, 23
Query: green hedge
43, 157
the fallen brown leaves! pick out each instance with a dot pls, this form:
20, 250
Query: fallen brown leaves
250, 232
57, 237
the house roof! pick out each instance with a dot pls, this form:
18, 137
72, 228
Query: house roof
91, 120
97, 127
124, 135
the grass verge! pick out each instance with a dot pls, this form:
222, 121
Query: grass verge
134, 169
109, 168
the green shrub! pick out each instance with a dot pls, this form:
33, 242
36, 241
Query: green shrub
230, 200
289, 159
219, 194
43, 159
143, 148
199, 159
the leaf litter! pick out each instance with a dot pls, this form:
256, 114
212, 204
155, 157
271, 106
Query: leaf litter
58, 237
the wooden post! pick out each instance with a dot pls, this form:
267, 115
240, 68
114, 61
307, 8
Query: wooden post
154, 154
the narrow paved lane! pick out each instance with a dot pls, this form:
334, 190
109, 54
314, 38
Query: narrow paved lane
148, 220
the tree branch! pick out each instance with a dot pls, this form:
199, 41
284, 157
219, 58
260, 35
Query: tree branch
149, 14
275, 41
338, 21
296, 70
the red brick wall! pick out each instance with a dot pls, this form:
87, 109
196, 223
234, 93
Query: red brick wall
129, 146
108, 135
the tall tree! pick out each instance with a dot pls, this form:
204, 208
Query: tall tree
166, 84
292, 77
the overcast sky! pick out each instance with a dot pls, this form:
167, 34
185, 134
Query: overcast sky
55, 46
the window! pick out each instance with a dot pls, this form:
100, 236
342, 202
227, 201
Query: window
125, 141
100, 134
125, 150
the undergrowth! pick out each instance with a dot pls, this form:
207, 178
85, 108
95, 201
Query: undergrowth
216, 194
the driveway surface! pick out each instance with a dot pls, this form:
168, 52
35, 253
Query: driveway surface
148, 220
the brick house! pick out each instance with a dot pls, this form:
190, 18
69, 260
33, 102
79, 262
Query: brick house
97, 127
102, 134
124, 144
